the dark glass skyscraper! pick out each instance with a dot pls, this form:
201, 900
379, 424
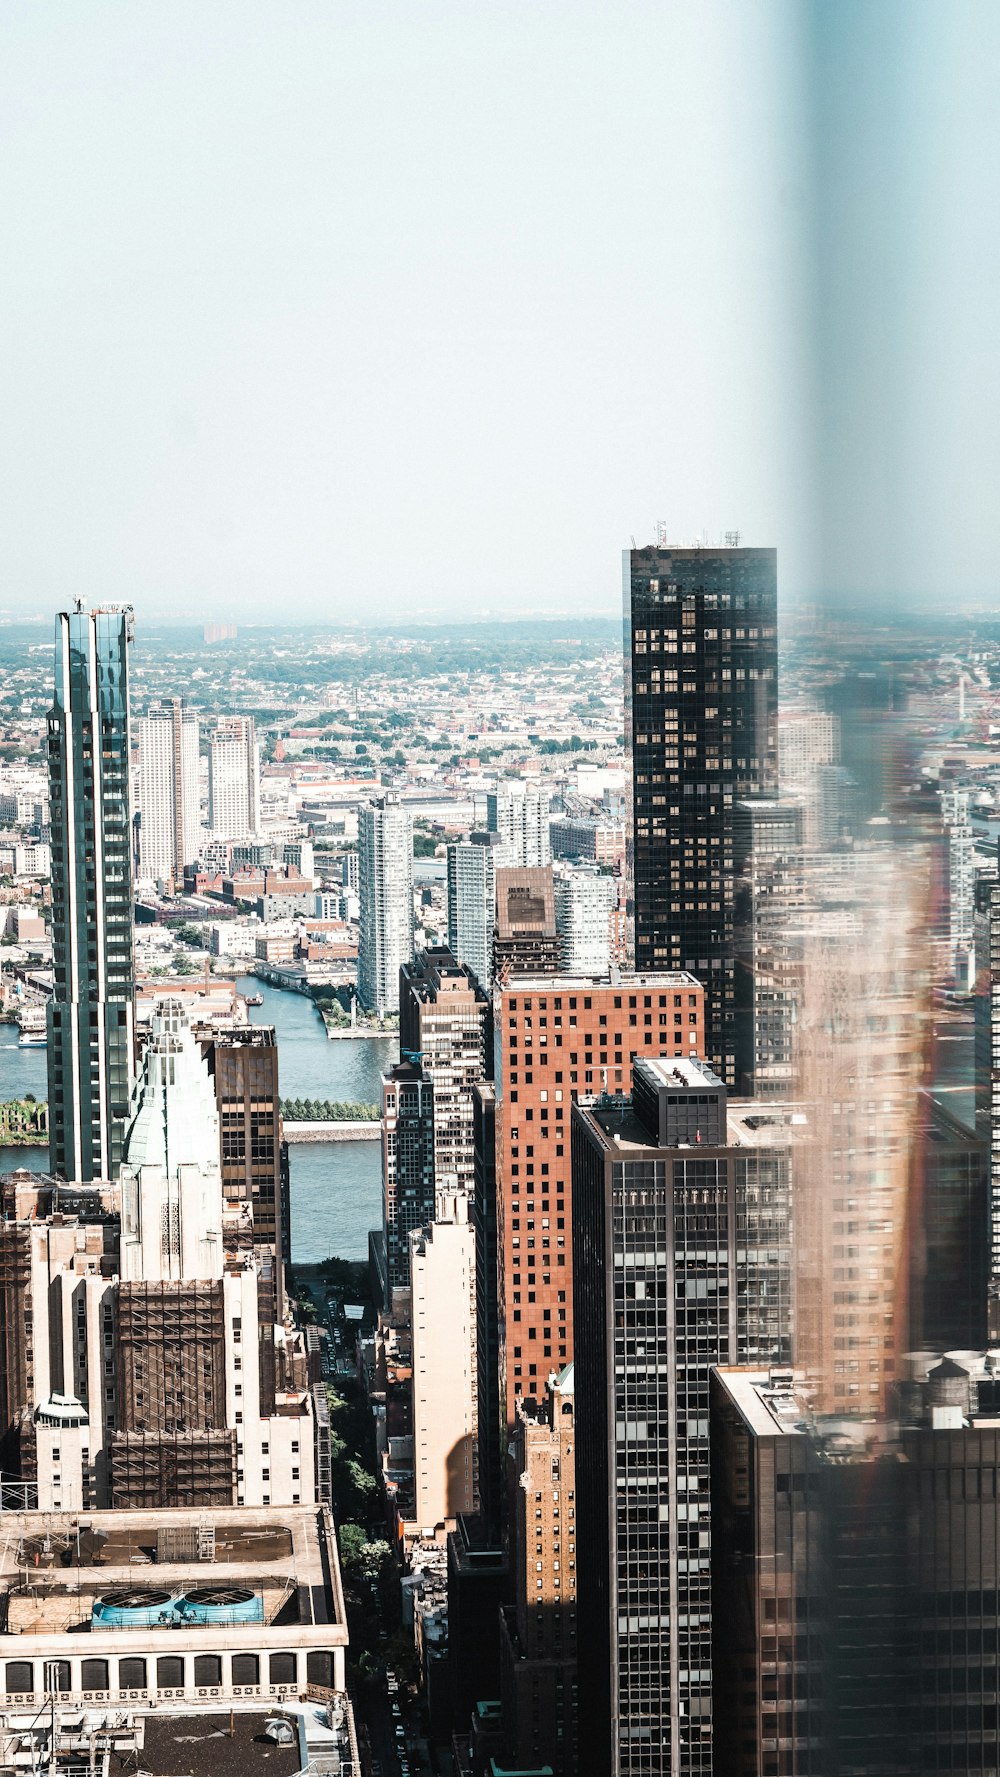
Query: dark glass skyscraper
701, 690
90, 1037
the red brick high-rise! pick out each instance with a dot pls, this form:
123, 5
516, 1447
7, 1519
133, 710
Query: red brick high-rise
557, 1038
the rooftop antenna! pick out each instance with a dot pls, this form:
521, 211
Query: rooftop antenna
732, 539
662, 534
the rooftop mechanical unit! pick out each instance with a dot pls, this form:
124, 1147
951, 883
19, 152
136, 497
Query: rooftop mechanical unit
134, 1607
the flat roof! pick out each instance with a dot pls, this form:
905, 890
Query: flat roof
664, 979
215, 1746
53, 1565
750, 1123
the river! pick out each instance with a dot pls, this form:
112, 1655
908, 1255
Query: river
336, 1187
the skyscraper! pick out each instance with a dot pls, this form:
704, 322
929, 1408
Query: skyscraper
700, 729
169, 806
585, 901
557, 1037
234, 778
472, 900
855, 1575
407, 1166
444, 1017
518, 811
681, 1261
385, 891
90, 1029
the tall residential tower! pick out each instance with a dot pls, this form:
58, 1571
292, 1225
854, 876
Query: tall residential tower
385, 890
169, 807
90, 1033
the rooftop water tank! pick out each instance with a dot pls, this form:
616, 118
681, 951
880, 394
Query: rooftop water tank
222, 1604
134, 1607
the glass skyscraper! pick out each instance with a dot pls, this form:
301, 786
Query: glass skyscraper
90, 1033
701, 691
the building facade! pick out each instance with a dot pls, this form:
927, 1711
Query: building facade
407, 1166
700, 731
770, 892
385, 892
472, 901
444, 1018
525, 941
169, 792
558, 1038
538, 1631
90, 1013
856, 1575
445, 1381
234, 778
585, 902
518, 812
681, 1259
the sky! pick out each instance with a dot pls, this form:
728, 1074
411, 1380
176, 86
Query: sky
424, 308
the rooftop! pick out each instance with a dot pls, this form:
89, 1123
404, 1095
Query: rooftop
56, 1566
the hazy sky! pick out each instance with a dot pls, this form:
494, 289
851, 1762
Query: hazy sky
351, 309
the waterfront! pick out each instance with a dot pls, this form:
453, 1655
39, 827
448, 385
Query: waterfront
336, 1187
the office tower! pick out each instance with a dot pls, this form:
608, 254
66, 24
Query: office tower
961, 886
385, 890
234, 778
681, 1261
90, 1014
538, 1632
558, 1037
855, 1576
700, 730
585, 902
169, 794
770, 891
244, 1067
472, 903
518, 812
491, 1429
444, 1018
443, 1323
525, 941
407, 1166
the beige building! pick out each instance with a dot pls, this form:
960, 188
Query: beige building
443, 1276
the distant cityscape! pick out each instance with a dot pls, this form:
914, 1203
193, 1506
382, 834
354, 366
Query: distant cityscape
643, 1000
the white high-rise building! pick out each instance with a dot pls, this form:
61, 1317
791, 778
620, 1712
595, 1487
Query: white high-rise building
519, 812
234, 778
443, 1294
385, 893
170, 818
585, 899
472, 903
